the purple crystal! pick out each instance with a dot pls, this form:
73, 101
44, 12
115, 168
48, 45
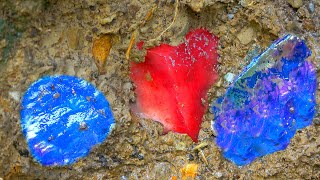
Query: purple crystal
272, 98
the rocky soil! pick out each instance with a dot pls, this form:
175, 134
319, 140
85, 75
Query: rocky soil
42, 37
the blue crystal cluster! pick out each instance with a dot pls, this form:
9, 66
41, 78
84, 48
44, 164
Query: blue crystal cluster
272, 98
62, 118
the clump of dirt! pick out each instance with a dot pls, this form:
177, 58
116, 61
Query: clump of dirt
57, 38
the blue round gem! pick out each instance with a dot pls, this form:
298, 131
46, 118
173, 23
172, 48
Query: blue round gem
62, 118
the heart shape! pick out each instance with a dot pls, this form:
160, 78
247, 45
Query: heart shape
172, 82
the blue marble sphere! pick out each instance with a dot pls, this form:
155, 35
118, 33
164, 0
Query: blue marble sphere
62, 118
273, 97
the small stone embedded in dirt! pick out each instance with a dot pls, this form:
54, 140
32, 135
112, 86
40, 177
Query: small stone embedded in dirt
74, 37
189, 171
109, 19
246, 35
15, 95
311, 7
100, 50
295, 3
229, 77
244, 3
196, 5
230, 16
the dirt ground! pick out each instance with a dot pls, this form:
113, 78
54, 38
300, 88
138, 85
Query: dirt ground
42, 37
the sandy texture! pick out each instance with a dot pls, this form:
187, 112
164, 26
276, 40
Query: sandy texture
56, 37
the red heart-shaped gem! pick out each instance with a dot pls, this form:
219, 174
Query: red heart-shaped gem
172, 83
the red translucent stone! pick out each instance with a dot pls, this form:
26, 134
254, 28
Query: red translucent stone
172, 83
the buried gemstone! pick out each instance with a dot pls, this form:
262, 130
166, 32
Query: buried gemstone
272, 98
173, 81
62, 118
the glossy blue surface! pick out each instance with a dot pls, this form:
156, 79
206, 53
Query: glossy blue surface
62, 118
272, 98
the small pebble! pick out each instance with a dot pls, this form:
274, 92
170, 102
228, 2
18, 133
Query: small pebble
190, 157
230, 16
15, 95
89, 38
92, 8
246, 35
316, 121
311, 7
123, 178
245, 3
83, 126
218, 174
295, 3
229, 77
291, 109
140, 156
50, 138
56, 95
95, 30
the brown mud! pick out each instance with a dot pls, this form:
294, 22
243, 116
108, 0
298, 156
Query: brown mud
56, 37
